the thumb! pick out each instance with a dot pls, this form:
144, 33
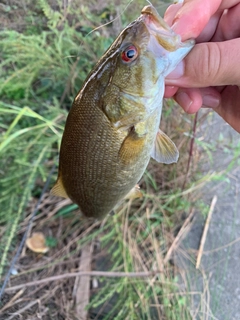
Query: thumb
208, 64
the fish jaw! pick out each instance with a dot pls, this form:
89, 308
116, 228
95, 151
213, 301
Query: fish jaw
164, 43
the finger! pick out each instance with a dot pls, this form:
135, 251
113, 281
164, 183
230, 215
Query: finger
226, 4
189, 99
229, 25
170, 91
171, 13
210, 29
229, 108
199, 18
211, 97
207, 31
173, 9
208, 64
193, 16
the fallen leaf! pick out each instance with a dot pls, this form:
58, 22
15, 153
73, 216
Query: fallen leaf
37, 243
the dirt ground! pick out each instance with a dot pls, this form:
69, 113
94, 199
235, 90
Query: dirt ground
219, 269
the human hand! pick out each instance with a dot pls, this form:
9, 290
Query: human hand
210, 74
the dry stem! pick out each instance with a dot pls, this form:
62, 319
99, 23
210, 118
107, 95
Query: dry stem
204, 235
85, 273
179, 235
82, 283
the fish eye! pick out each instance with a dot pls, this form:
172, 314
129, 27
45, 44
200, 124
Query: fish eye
129, 54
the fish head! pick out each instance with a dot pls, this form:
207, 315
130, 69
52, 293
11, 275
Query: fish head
164, 44
145, 52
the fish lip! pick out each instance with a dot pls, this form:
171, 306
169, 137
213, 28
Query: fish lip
150, 16
157, 27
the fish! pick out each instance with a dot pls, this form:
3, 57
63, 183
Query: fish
112, 129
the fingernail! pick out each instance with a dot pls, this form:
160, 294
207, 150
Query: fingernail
210, 101
177, 72
175, 24
184, 100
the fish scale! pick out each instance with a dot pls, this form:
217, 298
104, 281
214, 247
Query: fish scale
112, 129
89, 158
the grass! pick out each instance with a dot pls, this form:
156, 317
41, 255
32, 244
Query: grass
43, 61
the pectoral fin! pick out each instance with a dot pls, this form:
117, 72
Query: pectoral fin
131, 147
58, 189
134, 193
164, 150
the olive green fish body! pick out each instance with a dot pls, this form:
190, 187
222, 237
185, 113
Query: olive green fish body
105, 171
112, 129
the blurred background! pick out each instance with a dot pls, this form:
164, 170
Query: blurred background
47, 48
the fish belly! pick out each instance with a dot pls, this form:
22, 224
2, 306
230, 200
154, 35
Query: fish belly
92, 172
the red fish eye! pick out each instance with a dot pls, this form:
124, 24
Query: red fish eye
129, 54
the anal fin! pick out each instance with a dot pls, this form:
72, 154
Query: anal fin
58, 189
134, 193
164, 150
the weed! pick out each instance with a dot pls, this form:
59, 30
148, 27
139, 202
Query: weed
42, 67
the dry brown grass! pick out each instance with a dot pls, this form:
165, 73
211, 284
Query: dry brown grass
134, 248
150, 245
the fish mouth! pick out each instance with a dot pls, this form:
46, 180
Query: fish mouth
157, 27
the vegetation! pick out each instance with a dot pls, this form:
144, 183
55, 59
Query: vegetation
44, 59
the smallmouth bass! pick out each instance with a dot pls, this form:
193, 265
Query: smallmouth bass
112, 129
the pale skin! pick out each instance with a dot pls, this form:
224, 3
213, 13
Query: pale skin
210, 75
